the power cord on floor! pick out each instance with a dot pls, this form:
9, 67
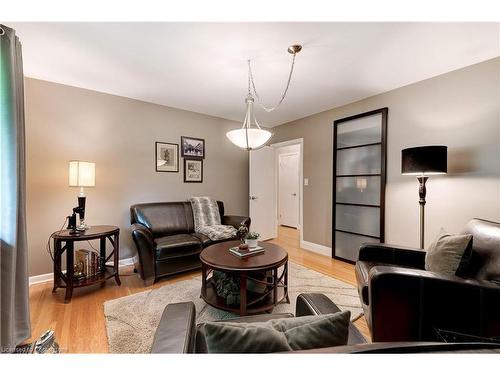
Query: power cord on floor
49, 248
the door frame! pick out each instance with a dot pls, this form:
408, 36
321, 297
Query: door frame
276, 146
384, 111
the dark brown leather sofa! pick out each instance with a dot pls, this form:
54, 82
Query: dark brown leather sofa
165, 239
179, 333
403, 302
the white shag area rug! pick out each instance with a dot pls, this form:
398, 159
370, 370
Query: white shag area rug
131, 321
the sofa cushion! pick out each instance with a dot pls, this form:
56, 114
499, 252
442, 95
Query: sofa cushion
207, 241
307, 332
177, 245
446, 252
166, 218
201, 344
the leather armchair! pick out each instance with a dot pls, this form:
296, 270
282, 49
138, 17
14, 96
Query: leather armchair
404, 302
165, 238
179, 333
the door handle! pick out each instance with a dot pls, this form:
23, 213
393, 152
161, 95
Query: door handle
294, 194
252, 198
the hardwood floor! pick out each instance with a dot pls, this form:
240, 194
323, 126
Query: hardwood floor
80, 325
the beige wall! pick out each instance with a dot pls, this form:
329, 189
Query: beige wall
459, 109
64, 123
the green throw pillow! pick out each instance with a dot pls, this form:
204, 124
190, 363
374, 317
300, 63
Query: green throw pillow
278, 335
448, 252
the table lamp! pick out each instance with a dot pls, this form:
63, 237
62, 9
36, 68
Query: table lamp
81, 174
422, 162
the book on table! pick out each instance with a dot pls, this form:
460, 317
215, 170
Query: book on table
246, 253
87, 264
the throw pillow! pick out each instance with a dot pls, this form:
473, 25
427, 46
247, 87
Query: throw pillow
445, 254
278, 335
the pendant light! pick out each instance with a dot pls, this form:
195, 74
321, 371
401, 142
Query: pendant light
251, 136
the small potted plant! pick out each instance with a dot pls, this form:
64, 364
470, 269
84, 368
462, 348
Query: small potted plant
251, 239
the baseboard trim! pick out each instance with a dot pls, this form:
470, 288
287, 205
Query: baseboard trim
38, 279
48, 277
316, 248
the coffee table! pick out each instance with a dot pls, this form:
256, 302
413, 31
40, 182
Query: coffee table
273, 263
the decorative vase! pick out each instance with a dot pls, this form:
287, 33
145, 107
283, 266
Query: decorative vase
251, 243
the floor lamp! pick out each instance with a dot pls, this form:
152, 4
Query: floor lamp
422, 162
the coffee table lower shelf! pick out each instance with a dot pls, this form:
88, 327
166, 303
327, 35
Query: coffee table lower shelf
265, 304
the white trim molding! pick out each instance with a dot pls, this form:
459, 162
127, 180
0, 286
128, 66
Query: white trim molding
316, 248
48, 277
38, 279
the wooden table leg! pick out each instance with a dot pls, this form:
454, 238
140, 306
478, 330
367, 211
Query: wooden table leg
102, 254
57, 265
286, 283
203, 279
243, 293
275, 286
69, 271
116, 258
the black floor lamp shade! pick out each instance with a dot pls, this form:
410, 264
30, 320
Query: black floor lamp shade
424, 160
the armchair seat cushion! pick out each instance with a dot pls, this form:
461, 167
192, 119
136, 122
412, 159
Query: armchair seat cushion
207, 241
177, 245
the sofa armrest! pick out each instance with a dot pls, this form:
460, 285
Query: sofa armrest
378, 274
397, 255
314, 304
145, 243
177, 329
410, 304
236, 221
319, 304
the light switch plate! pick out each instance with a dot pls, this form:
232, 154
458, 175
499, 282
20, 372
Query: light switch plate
306, 182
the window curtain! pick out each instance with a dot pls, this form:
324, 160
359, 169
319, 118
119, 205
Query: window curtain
14, 293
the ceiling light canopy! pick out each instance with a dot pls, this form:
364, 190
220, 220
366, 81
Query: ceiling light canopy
253, 137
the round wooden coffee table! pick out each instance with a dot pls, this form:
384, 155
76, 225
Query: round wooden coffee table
273, 263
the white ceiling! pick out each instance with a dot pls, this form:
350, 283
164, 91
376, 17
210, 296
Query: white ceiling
202, 67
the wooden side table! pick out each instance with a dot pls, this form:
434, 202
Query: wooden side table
64, 242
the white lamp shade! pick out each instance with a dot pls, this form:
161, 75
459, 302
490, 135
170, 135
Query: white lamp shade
81, 173
256, 137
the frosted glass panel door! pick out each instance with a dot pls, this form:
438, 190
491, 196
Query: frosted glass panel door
359, 158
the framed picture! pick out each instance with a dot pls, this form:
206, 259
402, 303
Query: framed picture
192, 147
167, 157
193, 170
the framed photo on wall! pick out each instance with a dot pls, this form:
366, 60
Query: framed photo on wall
167, 157
193, 170
192, 147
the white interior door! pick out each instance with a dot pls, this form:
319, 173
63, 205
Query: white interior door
289, 190
263, 192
